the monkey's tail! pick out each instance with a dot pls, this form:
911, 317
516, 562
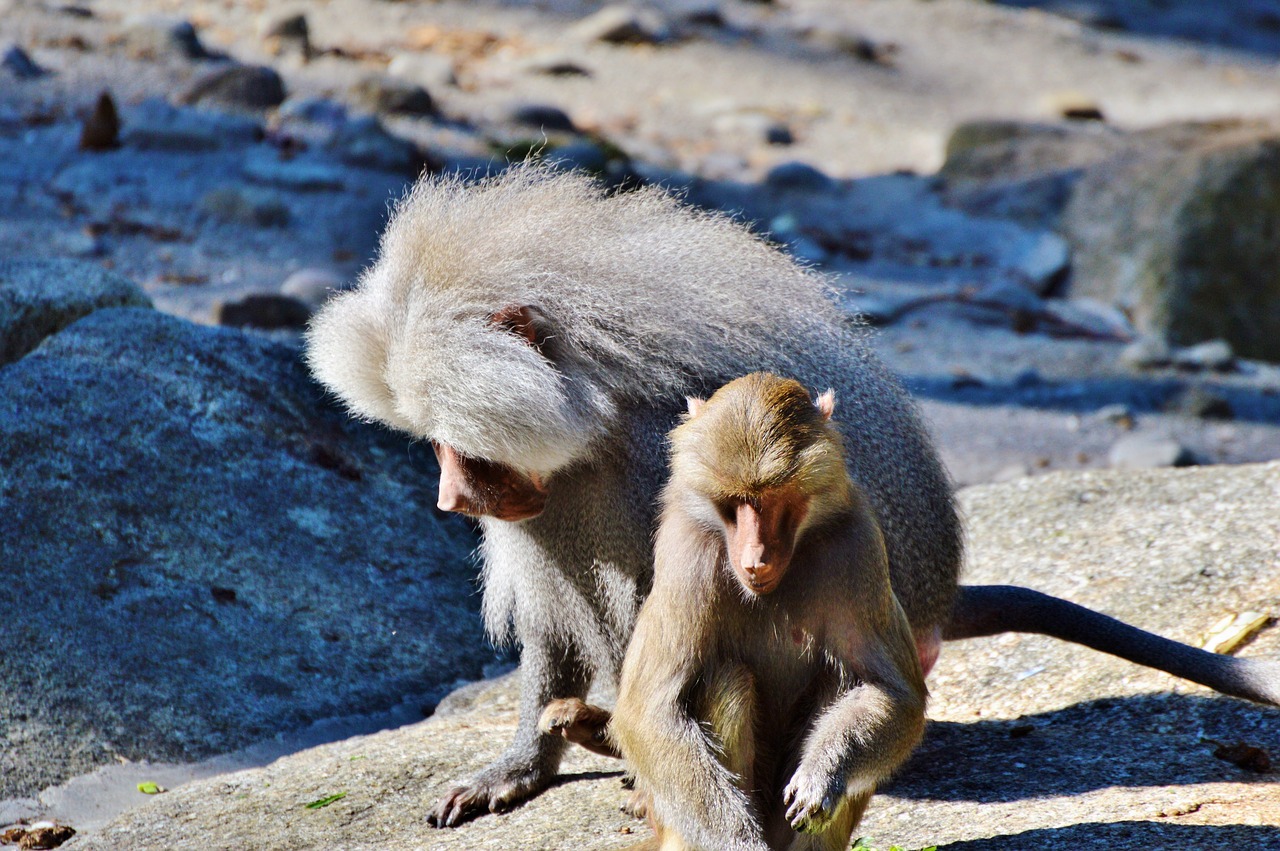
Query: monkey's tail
991, 609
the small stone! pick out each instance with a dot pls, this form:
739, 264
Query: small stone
16, 61
82, 244
557, 65
365, 143
391, 94
1201, 403
312, 286
286, 33
778, 133
1146, 353
1073, 106
856, 45
1146, 451
263, 310
1044, 262
1011, 297
432, 70
161, 36
1214, 355
1118, 414
101, 130
253, 87
294, 175
246, 206
622, 24
542, 117
700, 14
797, 177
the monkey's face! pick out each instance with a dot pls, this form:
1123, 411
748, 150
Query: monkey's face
480, 488
760, 537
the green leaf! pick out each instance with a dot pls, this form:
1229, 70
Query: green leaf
324, 802
147, 787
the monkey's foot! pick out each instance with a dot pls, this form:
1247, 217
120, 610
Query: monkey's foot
580, 723
636, 805
494, 791
811, 799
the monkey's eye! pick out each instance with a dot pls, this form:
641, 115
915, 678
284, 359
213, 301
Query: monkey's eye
728, 510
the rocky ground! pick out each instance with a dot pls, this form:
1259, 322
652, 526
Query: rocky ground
1061, 216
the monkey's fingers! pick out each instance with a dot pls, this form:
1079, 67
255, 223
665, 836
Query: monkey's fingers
455, 806
808, 810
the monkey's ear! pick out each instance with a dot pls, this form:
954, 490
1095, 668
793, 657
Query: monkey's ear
523, 321
826, 404
695, 405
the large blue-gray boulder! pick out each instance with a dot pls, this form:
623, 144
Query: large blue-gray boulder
199, 550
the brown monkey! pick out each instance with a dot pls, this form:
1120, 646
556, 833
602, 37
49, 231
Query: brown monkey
772, 680
543, 335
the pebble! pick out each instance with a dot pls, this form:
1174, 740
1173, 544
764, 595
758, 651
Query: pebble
313, 110
383, 94
1092, 316
246, 205
16, 61
1044, 262
621, 24
541, 117
1201, 403
253, 87
1215, 355
1073, 106
365, 143
161, 36
557, 65
1118, 414
285, 33
778, 133
263, 310
797, 177
427, 69
1146, 352
1147, 451
312, 285
101, 130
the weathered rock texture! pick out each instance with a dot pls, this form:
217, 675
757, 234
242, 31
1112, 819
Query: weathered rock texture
39, 297
1176, 225
1033, 744
199, 551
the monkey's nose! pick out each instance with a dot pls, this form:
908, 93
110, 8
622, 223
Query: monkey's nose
753, 559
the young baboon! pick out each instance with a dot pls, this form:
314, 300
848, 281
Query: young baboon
772, 680
543, 336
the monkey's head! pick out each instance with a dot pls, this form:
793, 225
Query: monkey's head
759, 462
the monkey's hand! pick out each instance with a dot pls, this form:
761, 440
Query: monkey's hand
812, 798
579, 723
495, 790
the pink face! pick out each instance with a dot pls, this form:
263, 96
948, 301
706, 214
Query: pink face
480, 488
760, 535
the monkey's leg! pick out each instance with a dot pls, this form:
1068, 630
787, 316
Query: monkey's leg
579, 723
547, 671
729, 706
990, 609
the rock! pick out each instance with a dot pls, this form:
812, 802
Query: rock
1146, 352
286, 33
1214, 355
621, 24
1090, 318
541, 116
1180, 233
157, 126
101, 130
797, 177
1169, 550
1073, 106
1043, 262
778, 133
1118, 415
557, 65
1145, 451
150, 36
222, 552
263, 310
1201, 403
583, 155
312, 286
246, 206
431, 70
296, 175
323, 111
365, 143
854, 44
248, 87
391, 94
40, 297
17, 63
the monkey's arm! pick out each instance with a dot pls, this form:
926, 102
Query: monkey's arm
677, 760
990, 609
548, 669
